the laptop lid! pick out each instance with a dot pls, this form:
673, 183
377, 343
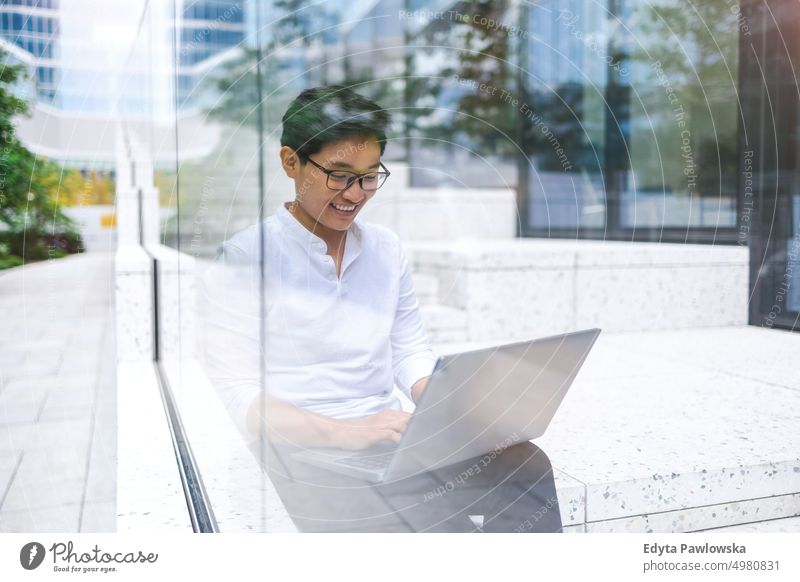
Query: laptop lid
489, 399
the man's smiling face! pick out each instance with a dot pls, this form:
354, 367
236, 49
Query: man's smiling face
320, 207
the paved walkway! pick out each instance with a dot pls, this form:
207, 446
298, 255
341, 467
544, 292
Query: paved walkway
58, 396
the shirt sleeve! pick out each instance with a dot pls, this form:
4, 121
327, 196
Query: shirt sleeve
412, 355
231, 347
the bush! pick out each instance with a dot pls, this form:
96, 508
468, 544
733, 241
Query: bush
35, 245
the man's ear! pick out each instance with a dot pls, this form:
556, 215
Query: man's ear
290, 161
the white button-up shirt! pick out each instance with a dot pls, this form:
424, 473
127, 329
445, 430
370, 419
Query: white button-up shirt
333, 345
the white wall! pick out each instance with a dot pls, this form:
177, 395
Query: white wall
95, 236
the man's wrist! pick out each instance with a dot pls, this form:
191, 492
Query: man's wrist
331, 430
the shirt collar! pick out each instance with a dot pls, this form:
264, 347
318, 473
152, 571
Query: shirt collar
313, 243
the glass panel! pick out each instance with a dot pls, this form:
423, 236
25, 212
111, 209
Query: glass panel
337, 339
177, 182
565, 112
462, 124
210, 192
638, 97
683, 124
770, 163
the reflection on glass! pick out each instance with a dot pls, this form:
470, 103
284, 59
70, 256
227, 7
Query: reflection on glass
315, 343
638, 98
336, 338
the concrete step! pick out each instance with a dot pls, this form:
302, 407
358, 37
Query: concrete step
426, 288
444, 324
784, 525
678, 431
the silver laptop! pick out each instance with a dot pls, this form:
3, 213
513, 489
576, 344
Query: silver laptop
475, 402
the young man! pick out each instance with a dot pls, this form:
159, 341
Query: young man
343, 325
341, 329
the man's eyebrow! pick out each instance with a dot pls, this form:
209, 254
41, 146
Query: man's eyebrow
350, 167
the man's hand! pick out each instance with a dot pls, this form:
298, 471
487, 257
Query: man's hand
363, 432
290, 424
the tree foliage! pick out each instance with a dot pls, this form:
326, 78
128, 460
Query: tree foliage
32, 225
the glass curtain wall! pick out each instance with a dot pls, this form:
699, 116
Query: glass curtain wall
768, 161
608, 119
195, 152
633, 120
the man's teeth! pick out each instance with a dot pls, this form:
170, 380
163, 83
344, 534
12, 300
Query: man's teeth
345, 208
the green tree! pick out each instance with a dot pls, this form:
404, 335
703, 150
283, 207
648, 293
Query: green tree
479, 53
32, 226
696, 47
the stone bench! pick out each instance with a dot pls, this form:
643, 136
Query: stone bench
532, 287
674, 431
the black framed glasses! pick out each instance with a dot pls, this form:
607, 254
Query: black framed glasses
341, 180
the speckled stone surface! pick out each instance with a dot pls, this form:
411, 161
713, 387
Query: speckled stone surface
785, 525
688, 434
530, 287
133, 304
681, 430
705, 445
149, 491
704, 517
571, 499
660, 296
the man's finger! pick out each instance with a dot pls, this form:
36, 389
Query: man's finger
399, 424
392, 436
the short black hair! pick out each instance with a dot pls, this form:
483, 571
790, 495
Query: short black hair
327, 114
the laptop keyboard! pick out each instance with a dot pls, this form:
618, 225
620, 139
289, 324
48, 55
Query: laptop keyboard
371, 462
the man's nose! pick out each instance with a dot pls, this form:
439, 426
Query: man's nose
354, 193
